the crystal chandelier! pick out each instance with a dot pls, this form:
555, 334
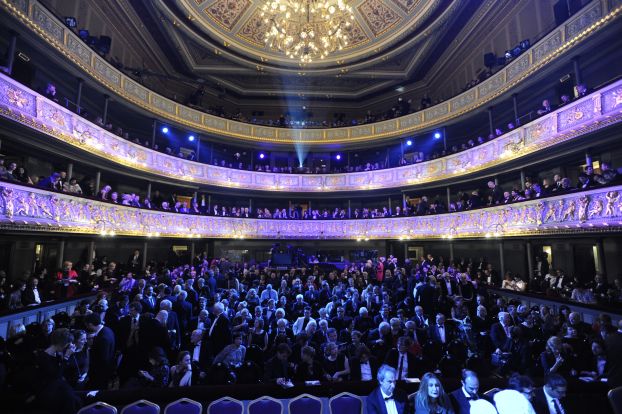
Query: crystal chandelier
307, 29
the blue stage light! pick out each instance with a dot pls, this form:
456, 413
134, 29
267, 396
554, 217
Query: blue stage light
437, 135
165, 130
262, 155
338, 156
191, 138
409, 142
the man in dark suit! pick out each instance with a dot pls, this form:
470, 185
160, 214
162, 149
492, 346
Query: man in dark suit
278, 369
462, 397
219, 334
149, 301
101, 356
172, 324
341, 321
199, 355
440, 332
386, 398
183, 308
363, 366
135, 260
401, 360
613, 344
549, 398
500, 331
427, 296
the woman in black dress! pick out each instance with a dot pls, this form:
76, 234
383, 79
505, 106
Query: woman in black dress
258, 336
336, 365
78, 363
309, 369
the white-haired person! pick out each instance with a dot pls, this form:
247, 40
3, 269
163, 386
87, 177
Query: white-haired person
386, 398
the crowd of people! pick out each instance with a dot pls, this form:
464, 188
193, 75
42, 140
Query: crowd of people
491, 196
214, 321
237, 161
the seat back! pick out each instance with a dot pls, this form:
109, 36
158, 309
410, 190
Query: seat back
305, 404
225, 405
345, 403
184, 406
141, 407
265, 405
615, 399
98, 408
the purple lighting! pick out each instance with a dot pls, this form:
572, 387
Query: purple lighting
338, 156
262, 155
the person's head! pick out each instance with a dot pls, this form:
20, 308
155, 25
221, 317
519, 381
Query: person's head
183, 358
238, 337
556, 386
135, 309
482, 312
386, 379
597, 347
219, 308
522, 384
331, 349
283, 351
79, 338
92, 322
60, 339
554, 345
505, 318
307, 354
47, 326
157, 356
440, 319
470, 382
430, 389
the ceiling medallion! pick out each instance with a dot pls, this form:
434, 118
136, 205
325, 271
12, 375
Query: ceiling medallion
307, 30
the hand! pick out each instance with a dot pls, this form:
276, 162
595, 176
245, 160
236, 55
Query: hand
71, 348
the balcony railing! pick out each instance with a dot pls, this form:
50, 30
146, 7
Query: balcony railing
593, 112
23, 208
594, 16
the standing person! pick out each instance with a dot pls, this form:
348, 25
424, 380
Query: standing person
386, 398
219, 334
549, 398
101, 354
431, 398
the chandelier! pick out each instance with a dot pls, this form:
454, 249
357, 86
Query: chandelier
307, 29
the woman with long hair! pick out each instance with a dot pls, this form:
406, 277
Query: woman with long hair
431, 398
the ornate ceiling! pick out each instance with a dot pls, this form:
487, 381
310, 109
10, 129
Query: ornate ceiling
222, 41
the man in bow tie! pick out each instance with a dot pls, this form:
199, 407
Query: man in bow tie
386, 399
462, 397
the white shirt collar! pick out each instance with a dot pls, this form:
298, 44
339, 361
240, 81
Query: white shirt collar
385, 395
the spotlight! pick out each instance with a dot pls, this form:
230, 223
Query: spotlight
409, 142
262, 155
437, 135
165, 130
338, 156
191, 138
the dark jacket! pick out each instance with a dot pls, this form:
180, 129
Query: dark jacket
375, 402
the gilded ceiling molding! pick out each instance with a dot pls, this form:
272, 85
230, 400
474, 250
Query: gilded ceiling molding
591, 113
590, 19
29, 209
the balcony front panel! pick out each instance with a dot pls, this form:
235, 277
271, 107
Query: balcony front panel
590, 19
591, 113
29, 209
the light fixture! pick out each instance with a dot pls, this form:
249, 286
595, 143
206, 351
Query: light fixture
307, 30
191, 138
338, 156
165, 130
437, 135
409, 142
262, 155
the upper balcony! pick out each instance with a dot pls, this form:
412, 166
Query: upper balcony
593, 17
565, 125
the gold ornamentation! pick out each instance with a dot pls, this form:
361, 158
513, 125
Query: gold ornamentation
16, 97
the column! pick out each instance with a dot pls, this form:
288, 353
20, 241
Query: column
448, 197
198, 150
577, 70
61, 254
496, 180
192, 253
530, 265
250, 206
154, 126
149, 190
403, 201
451, 251
444, 139
501, 260
79, 96
209, 203
349, 208
522, 179
600, 260
105, 113
252, 160
490, 124
98, 178
69, 170
211, 154
194, 196
144, 263
90, 252
8, 69
515, 106
588, 158
389, 204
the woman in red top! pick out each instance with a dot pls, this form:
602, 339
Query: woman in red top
66, 281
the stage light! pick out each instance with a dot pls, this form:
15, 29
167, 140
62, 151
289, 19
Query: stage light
262, 155
437, 135
338, 156
409, 142
165, 130
191, 138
